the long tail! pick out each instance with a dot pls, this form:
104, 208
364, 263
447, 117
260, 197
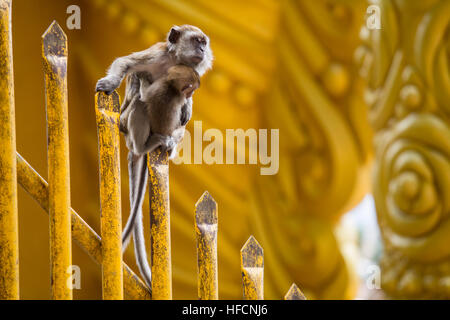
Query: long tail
138, 172
140, 252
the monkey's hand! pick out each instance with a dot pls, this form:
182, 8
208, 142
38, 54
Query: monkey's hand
186, 112
108, 84
146, 90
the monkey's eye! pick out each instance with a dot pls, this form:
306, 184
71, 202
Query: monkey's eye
200, 40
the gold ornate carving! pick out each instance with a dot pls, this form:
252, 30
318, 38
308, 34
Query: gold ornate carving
316, 101
406, 65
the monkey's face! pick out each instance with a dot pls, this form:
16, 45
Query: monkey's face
191, 47
185, 79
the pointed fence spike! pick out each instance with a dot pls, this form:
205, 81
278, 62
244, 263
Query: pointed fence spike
206, 232
54, 41
206, 209
294, 293
252, 268
252, 254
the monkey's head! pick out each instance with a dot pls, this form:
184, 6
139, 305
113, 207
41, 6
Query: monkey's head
185, 79
190, 47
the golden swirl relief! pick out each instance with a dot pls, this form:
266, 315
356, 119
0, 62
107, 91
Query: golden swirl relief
406, 66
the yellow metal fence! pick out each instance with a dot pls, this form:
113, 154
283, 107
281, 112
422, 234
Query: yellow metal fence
118, 280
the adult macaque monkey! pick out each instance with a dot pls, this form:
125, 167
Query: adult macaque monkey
186, 45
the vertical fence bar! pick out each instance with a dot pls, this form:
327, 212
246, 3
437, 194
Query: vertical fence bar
206, 231
294, 293
161, 260
9, 247
54, 52
107, 115
252, 268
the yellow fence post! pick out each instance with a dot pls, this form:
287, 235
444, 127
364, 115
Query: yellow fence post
107, 114
54, 52
252, 268
82, 233
206, 231
294, 293
9, 248
158, 166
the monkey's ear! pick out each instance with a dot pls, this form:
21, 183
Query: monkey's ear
174, 35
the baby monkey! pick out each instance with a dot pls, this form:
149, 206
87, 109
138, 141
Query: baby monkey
158, 112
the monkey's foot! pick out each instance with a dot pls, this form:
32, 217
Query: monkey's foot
172, 153
167, 143
107, 84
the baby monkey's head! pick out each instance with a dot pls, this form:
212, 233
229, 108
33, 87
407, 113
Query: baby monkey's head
185, 79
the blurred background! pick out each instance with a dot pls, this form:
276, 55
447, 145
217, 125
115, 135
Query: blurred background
363, 112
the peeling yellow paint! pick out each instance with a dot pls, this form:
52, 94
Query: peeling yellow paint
252, 268
82, 233
294, 293
206, 230
158, 165
54, 53
9, 247
107, 114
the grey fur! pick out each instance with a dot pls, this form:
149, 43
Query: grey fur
142, 69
